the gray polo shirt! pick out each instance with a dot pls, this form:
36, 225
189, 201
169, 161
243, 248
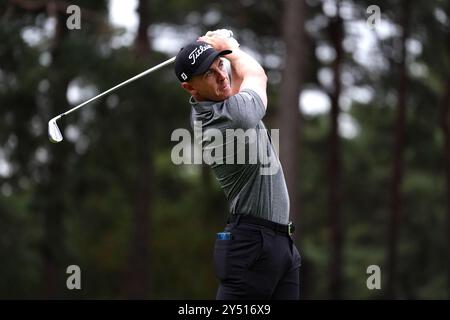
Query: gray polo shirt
238, 148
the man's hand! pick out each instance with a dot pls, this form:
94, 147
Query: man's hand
246, 72
220, 39
223, 33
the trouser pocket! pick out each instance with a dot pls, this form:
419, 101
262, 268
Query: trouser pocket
220, 258
232, 258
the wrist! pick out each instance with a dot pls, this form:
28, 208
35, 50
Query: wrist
236, 53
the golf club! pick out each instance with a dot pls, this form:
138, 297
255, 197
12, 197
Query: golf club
53, 131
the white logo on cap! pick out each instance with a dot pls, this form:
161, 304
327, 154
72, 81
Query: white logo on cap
198, 51
183, 76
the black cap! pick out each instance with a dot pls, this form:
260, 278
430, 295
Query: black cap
194, 59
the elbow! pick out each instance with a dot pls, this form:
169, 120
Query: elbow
263, 75
257, 72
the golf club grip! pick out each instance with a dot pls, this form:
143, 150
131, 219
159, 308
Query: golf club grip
140, 75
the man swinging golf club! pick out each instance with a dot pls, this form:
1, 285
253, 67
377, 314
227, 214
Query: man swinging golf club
255, 257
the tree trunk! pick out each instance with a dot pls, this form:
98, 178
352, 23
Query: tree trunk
289, 114
334, 164
138, 276
445, 125
397, 169
52, 248
288, 105
142, 47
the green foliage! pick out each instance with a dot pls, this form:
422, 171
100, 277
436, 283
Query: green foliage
73, 203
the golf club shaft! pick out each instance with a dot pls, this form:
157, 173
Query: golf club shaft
140, 75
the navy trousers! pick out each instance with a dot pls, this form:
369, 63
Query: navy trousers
258, 263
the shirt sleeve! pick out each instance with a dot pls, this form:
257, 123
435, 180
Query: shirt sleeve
246, 109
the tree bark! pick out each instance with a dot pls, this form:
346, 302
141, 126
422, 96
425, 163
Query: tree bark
397, 168
52, 248
142, 47
138, 275
334, 163
288, 110
445, 125
288, 116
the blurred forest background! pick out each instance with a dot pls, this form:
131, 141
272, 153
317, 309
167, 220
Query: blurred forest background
363, 112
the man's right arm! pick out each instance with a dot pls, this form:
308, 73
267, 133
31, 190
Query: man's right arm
246, 72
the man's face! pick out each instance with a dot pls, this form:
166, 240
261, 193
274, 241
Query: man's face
213, 85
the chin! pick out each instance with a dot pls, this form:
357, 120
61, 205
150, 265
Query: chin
226, 94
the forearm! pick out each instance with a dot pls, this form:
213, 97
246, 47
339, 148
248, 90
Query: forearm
246, 72
236, 81
243, 65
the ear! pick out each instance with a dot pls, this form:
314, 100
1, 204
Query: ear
186, 86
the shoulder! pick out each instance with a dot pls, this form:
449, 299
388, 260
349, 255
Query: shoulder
246, 96
245, 108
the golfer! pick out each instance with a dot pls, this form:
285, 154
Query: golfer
255, 257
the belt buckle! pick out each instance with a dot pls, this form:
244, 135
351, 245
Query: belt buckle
291, 228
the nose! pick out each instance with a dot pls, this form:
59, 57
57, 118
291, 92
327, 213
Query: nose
221, 75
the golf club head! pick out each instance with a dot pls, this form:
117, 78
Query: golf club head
54, 134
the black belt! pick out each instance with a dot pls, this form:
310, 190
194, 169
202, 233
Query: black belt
282, 228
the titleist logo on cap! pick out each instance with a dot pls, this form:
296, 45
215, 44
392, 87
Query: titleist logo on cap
197, 52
